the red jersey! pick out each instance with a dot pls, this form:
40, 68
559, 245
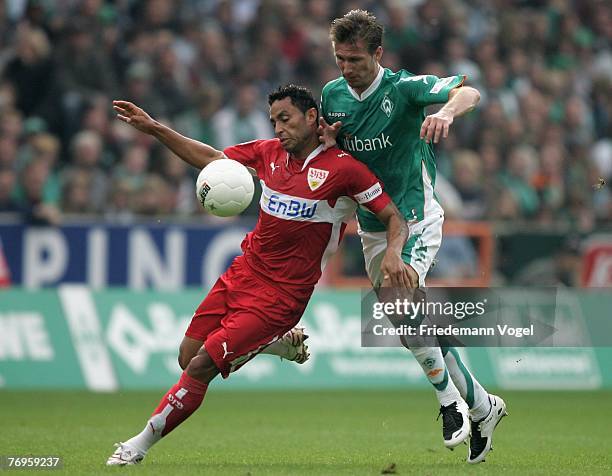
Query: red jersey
304, 208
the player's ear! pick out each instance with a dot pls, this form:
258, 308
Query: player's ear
312, 116
378, 54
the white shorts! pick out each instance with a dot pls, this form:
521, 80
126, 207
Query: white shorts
423, 243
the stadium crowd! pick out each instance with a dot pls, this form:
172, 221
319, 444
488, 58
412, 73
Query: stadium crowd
539, 147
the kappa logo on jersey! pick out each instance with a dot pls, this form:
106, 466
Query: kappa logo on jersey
273, 166
387, 106
316, 177
336, 115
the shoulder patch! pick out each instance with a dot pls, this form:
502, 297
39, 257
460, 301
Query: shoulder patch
440, 83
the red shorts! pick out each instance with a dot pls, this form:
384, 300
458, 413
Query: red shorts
241, 315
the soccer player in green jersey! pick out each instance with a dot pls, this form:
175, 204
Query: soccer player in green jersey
379, 117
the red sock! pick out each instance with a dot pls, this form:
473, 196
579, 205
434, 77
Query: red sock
178, 404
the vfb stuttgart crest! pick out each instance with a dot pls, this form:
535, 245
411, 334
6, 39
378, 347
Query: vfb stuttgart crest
316, 177
387, 106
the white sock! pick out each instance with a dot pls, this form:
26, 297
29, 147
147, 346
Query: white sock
150, 435
432, 363
481, 410
470, 389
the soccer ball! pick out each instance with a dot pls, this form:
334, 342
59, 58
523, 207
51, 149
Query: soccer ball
225, 187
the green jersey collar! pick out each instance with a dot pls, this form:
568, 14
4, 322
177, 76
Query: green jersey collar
371, 88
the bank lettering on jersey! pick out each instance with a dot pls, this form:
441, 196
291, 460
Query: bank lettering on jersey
355, 144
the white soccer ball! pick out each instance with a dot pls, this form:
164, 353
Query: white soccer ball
225, 187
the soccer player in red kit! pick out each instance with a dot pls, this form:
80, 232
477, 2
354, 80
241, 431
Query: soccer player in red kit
308, 195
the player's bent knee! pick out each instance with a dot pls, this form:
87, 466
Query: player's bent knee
183, 360
202, 367
188, 350
185, 357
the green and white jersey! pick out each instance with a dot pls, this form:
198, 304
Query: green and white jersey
381, 127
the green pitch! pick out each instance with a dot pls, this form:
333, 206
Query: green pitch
310, 433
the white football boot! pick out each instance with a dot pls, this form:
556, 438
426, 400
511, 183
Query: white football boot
482, 431
455, 423
124, 455
291, 346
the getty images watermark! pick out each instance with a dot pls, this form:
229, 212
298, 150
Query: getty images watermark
476, 317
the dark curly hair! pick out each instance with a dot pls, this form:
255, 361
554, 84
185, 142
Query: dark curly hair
300, 96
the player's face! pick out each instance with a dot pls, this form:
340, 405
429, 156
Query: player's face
356, 64
293, 127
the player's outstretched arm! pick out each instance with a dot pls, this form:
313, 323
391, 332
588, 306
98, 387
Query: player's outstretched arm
191, 151
460, 101
396, 273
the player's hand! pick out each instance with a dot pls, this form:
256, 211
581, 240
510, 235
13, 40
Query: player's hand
397, 274
327, 134
435, 127
134, 116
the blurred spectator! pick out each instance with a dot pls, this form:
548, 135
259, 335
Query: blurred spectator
120, 207
519, 177
155, 197
31, 71
8, 152
457, 59
8, 96
468, 180
241, 121
456, 257
83, 69
133, 167
537, 149
86, 152
139, 89
75, 193
11, 124
181, 184
8, 179
197, 122
36, 210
